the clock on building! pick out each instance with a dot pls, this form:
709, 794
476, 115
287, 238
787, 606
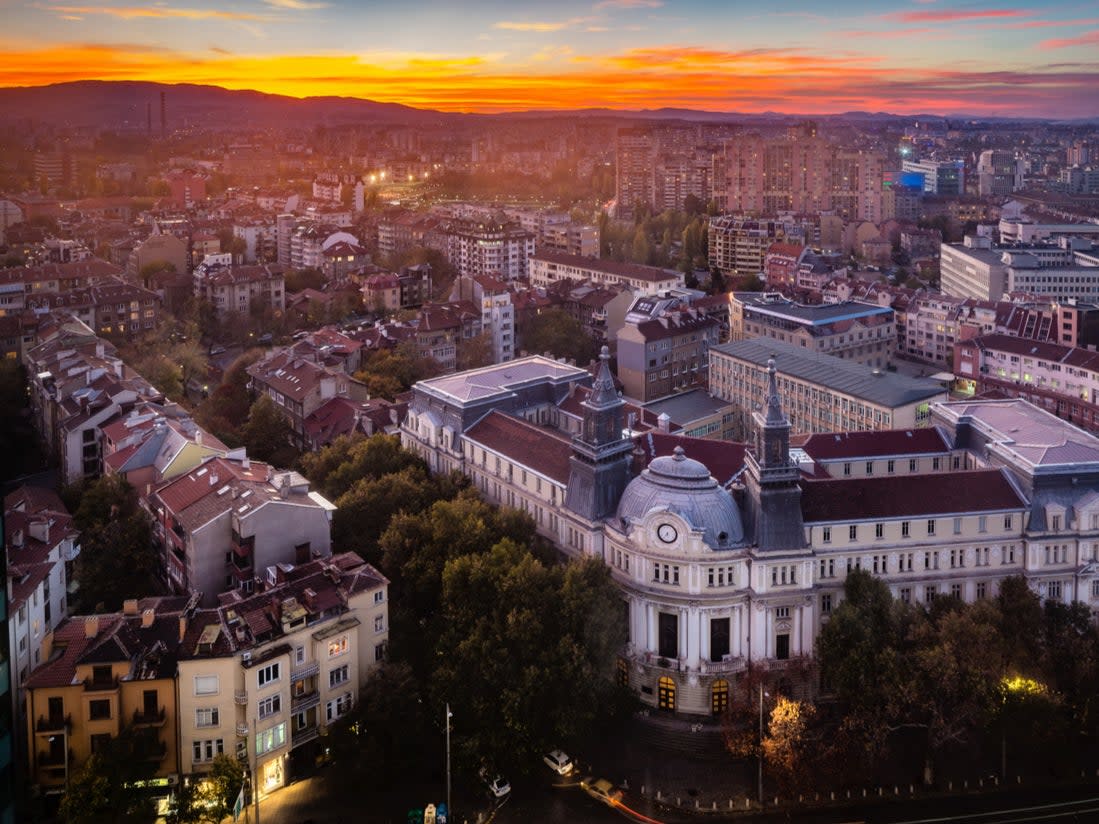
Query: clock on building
666, 533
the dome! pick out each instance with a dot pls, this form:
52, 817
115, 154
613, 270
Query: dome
684, 486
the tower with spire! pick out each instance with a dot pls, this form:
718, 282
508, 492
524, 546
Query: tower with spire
773, 492
599, 467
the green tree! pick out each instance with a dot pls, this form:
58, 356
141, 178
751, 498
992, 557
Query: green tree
266, 434
105, 788
350, 458
641, 249
557, 332
474, 352
298, 279
226, 409
117, 559
389, 372
224, 781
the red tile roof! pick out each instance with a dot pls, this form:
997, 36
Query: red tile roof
860, 499
543, 450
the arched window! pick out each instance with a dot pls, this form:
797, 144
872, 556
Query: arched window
623, 673
665, 690
719, 696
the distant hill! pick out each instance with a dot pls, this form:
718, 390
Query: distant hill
102, 104
106, 103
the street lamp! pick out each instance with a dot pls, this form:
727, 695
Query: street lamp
449, 811
759, 760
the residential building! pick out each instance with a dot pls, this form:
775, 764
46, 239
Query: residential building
662, 348
187, 187
497, 313
442, 327
861, 332
999, 173
382, 292
1066, 270
240, 289
635, 156
547, 268
112, 307
299, 384
263, 676
738, 245
223, 522
821, 393
571, 239
260, 236
501, 250
158, 248
42, 544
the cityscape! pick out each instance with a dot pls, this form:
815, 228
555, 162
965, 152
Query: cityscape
659, 410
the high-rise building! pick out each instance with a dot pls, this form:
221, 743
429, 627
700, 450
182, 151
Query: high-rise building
807, 175
635, 156
999, 173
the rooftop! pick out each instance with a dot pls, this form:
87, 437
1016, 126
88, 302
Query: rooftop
833, 446
858, 381
501, 379
633, 271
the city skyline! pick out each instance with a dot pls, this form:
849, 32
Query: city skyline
993, 59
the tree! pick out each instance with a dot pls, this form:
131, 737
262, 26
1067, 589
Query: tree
557, 332
474, 352
350, 458
224, 781
266, 434
106, 788
641, 249
389, 372
117, 559
226, 409
298, 279
788, 745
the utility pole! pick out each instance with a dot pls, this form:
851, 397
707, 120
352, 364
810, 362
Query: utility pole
255, 764
759, 759
449, 812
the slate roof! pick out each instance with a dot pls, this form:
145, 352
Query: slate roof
846, 445
724, 459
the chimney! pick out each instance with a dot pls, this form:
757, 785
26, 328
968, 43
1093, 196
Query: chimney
213, 479
147, 617
182, 627
17, 538
638, 463
245, 463
129, 606
664, 423
198, 437
91, 626
39, 529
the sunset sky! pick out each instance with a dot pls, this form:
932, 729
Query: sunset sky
997, 58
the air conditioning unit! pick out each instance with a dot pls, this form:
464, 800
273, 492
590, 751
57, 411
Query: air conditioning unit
246, 657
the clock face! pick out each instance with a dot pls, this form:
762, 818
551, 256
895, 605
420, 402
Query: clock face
666, 533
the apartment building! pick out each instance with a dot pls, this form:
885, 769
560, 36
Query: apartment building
1067, 269
237, 289
662, 348
497, 313
219, 525
501, 250
738, 244
819, 392
263, 676
547, 268
112, 306
442, 327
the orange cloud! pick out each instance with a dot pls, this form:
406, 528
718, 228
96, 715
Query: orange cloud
535, 26
711, 79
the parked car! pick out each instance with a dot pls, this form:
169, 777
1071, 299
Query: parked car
558, 762
217, 350
602, 790
497, 784
265, 339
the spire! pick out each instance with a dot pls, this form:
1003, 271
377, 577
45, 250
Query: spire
602, 389
774, 403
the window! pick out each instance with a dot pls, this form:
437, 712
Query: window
782, 612
906, 595
911, 464
782, 646
847, 469
271, 739
936, 463
879, 530
929, 593
1056, 526
890, 467
1053, 590
956, 591
207, 750
853, 532
905, 529
334, 709
268, 674
379, 623
379, 652
982, 523
379, 596
206, 717
100, 742
269, 706
99, 709
337, 646
826, 534
982, 590
1007, 521
338, 676
869, 467
826, 603
299, 655
931, 526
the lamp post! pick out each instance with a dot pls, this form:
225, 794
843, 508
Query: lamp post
759, 760
449, 811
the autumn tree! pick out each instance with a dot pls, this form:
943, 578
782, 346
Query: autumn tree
789, 744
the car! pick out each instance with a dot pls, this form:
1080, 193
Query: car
558, 762
497, 784
602, 790
265, 338
217, 350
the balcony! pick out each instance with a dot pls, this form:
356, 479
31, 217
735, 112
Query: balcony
242, 729
304, 672
101, 684
304, 735
53, 723
49, 759
149, 719
240, 697
300, 703
154, 750
728, 664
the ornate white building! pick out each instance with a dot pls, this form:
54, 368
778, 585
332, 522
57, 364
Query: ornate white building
732, 556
